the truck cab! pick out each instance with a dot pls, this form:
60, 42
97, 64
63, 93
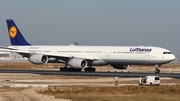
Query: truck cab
149, 80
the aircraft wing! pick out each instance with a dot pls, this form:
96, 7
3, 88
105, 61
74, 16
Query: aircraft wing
53, 55
7, 49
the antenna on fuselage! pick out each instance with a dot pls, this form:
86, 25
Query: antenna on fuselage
76, 43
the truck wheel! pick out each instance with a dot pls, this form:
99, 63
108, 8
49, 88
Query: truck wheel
151, 84
140, 83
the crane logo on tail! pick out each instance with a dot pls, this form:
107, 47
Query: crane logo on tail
13, 32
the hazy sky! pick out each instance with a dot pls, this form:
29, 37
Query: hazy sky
94, 22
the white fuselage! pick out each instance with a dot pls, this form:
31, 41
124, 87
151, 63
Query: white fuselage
103, 55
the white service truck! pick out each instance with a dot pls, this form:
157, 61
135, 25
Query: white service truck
149, 80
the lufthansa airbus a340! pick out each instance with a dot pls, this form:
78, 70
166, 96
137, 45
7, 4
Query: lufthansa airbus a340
77, 58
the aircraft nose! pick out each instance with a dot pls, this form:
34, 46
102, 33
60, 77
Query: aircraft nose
172, 57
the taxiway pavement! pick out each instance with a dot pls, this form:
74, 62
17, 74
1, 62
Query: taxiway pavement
102, 74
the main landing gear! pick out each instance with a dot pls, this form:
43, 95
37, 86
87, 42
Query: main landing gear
157, 70
65, 69
69, 69
90, 69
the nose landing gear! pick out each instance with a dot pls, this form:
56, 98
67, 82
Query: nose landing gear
157, 70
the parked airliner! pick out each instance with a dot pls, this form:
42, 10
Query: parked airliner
77, 58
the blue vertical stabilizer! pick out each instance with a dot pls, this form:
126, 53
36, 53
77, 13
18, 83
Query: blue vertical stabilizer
15, 35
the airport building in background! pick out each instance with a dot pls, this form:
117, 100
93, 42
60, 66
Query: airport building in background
4, 55
12, 57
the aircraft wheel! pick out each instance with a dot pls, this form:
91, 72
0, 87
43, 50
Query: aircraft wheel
157, 71
93, 69
79, 70
140, 83
62, 69
89, 69
85, 70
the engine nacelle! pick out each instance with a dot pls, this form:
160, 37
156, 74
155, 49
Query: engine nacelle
78, 63
119, 66
38, 59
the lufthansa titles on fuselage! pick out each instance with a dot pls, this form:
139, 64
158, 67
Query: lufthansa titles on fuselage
140, 50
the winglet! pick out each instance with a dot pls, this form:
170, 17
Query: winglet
15, 35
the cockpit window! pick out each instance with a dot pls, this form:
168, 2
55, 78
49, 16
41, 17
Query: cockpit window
166, 52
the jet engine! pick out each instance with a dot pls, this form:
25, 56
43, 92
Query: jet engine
38, 59
119, 66
78, 63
